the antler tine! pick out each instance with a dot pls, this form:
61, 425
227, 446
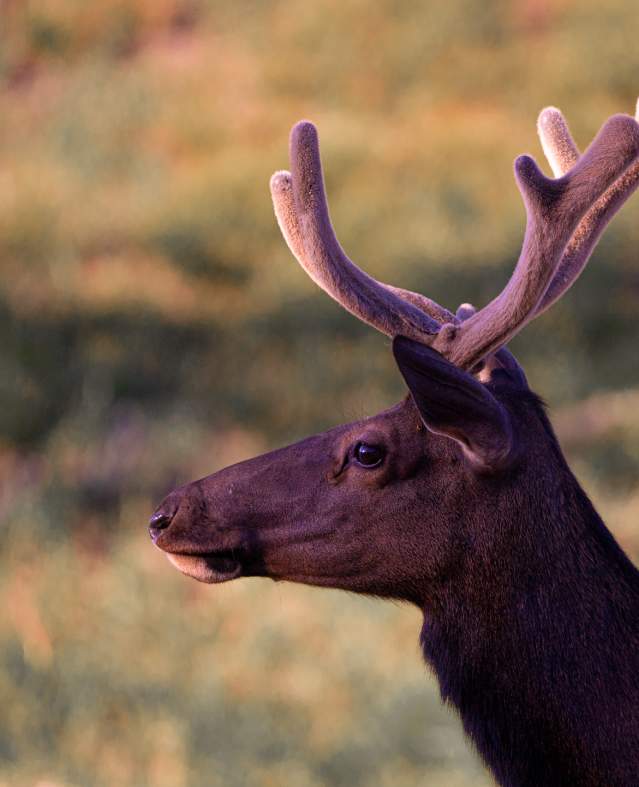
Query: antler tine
562, 154
554, 210
302, 213
556, 141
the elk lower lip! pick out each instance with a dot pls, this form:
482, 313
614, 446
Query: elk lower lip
211, 568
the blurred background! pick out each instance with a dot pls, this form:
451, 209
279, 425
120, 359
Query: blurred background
154, 327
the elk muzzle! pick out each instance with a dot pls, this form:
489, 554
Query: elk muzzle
182, 529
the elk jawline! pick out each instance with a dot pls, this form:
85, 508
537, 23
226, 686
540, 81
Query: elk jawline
211, 568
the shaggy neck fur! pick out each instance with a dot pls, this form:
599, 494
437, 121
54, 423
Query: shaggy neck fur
535, 640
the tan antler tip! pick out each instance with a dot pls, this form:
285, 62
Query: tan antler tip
556, 141
637, 110
282, 194
280, 181
549, 117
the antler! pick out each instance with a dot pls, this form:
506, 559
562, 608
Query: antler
302, 214
562, 154
555, 209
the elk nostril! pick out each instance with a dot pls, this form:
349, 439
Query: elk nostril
158, 522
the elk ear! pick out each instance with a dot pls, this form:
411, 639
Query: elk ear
453, 403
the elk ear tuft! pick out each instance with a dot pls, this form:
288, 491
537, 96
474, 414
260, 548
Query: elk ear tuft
453, 403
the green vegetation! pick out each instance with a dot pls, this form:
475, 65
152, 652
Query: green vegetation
154, 327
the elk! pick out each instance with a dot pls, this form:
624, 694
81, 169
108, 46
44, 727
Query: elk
458, 499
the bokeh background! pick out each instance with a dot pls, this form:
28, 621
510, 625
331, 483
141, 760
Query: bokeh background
154, 327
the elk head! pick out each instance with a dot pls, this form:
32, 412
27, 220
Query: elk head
397, 504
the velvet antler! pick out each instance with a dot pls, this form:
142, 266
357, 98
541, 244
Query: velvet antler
562, 154
565, 217
302, 213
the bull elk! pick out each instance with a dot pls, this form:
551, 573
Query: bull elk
458, 499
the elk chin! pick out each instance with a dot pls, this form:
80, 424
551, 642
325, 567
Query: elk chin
211, 569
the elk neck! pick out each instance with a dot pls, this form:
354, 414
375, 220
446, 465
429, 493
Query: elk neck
526, 638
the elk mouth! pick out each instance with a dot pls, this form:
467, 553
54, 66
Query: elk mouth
211, 567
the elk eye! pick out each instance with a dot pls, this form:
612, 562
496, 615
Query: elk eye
368, 455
